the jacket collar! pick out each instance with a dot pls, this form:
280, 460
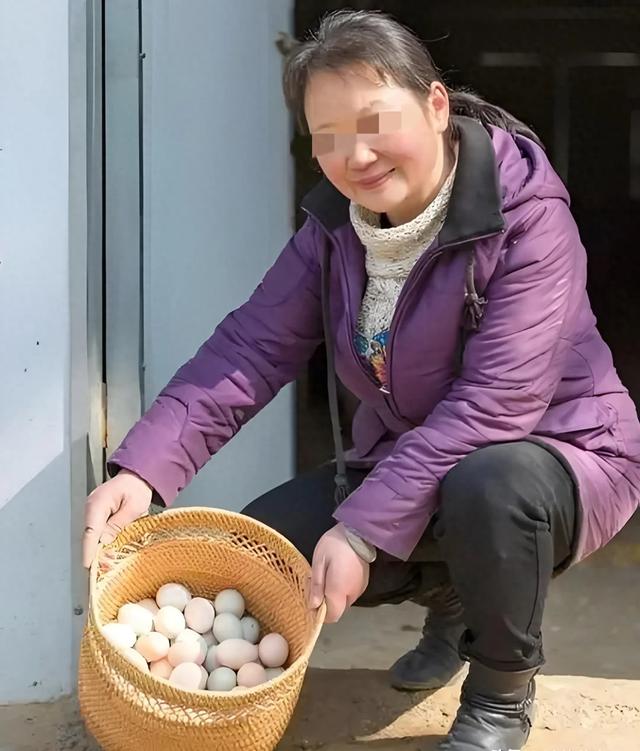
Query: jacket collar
475, 205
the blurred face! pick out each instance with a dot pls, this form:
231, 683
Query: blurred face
377, 142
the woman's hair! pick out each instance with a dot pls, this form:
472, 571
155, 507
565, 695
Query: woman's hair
348, 38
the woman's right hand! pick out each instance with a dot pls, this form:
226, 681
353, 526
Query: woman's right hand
110, 507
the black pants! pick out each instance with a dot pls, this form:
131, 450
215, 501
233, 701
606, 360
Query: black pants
505, 522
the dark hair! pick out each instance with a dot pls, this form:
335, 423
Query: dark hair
348, 38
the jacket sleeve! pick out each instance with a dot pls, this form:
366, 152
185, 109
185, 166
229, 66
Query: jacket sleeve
511, 369
250, 356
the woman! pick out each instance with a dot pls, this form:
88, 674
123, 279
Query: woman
494, 445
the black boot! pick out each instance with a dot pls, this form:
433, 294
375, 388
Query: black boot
496, 711
435, 660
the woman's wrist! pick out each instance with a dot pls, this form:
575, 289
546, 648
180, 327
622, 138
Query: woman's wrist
364, 549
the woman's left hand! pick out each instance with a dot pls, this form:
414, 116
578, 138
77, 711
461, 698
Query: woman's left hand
338, 574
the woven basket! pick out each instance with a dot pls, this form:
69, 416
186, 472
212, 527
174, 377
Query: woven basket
207, 550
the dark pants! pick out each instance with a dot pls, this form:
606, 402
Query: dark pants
505, 522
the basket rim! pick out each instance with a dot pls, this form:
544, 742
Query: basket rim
301, 659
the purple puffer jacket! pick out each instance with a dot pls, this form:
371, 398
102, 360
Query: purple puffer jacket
536, 369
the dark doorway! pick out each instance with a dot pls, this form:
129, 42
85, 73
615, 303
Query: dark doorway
572, 72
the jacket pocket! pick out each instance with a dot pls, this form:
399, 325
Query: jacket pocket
589, 423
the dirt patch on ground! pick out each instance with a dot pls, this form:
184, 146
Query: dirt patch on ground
343, 710
346, 710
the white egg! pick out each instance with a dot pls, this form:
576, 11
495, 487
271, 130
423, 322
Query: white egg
199, 615
135, 658
173, 594
204, 677
230, 601
187, 675
273, 673
119, 635
190, 635
221, 679
161, 668
139, 618
273, 651
150, 605
209, 638
234, 653
227, 626
185, 651
251, 674
250, 629
169, 621
211, 661
153, 646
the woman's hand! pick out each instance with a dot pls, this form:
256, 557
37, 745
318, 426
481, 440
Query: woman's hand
111, 506
338, 574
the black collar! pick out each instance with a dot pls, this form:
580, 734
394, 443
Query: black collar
476, 202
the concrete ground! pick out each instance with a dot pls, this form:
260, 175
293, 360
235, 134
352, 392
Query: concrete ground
589, 693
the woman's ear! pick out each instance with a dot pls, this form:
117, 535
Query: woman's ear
438, 104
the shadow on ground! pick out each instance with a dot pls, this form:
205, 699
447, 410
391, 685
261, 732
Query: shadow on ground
345, 710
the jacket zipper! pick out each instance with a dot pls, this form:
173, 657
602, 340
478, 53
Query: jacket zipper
407, 288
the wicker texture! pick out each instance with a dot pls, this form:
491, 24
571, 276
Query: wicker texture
207, 550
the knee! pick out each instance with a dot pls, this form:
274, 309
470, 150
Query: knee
486, 484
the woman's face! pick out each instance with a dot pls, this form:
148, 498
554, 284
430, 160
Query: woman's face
362, 128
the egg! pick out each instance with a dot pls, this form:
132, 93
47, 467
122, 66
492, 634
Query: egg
135, 658
139, 618
273, 650
120, 635
234, 653
209, 638
194, 636
199, 615
273, 673
211, 661
221, 679
227, 626
185, 651
187, 675
161, 668
229, 601
204, 677
150, 605
153, 646
169, 621
250, 629
174, 595
251, 674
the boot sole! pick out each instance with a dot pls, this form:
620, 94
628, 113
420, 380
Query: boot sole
431, 685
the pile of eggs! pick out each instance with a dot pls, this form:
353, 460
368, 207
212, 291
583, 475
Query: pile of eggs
196, 643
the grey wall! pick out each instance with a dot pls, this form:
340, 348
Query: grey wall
43, 306
218, 209
218, 205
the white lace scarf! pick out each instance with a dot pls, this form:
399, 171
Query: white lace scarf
391, 254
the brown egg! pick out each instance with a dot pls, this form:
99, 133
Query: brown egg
153, 646
161, 668
251, 674
185, 651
